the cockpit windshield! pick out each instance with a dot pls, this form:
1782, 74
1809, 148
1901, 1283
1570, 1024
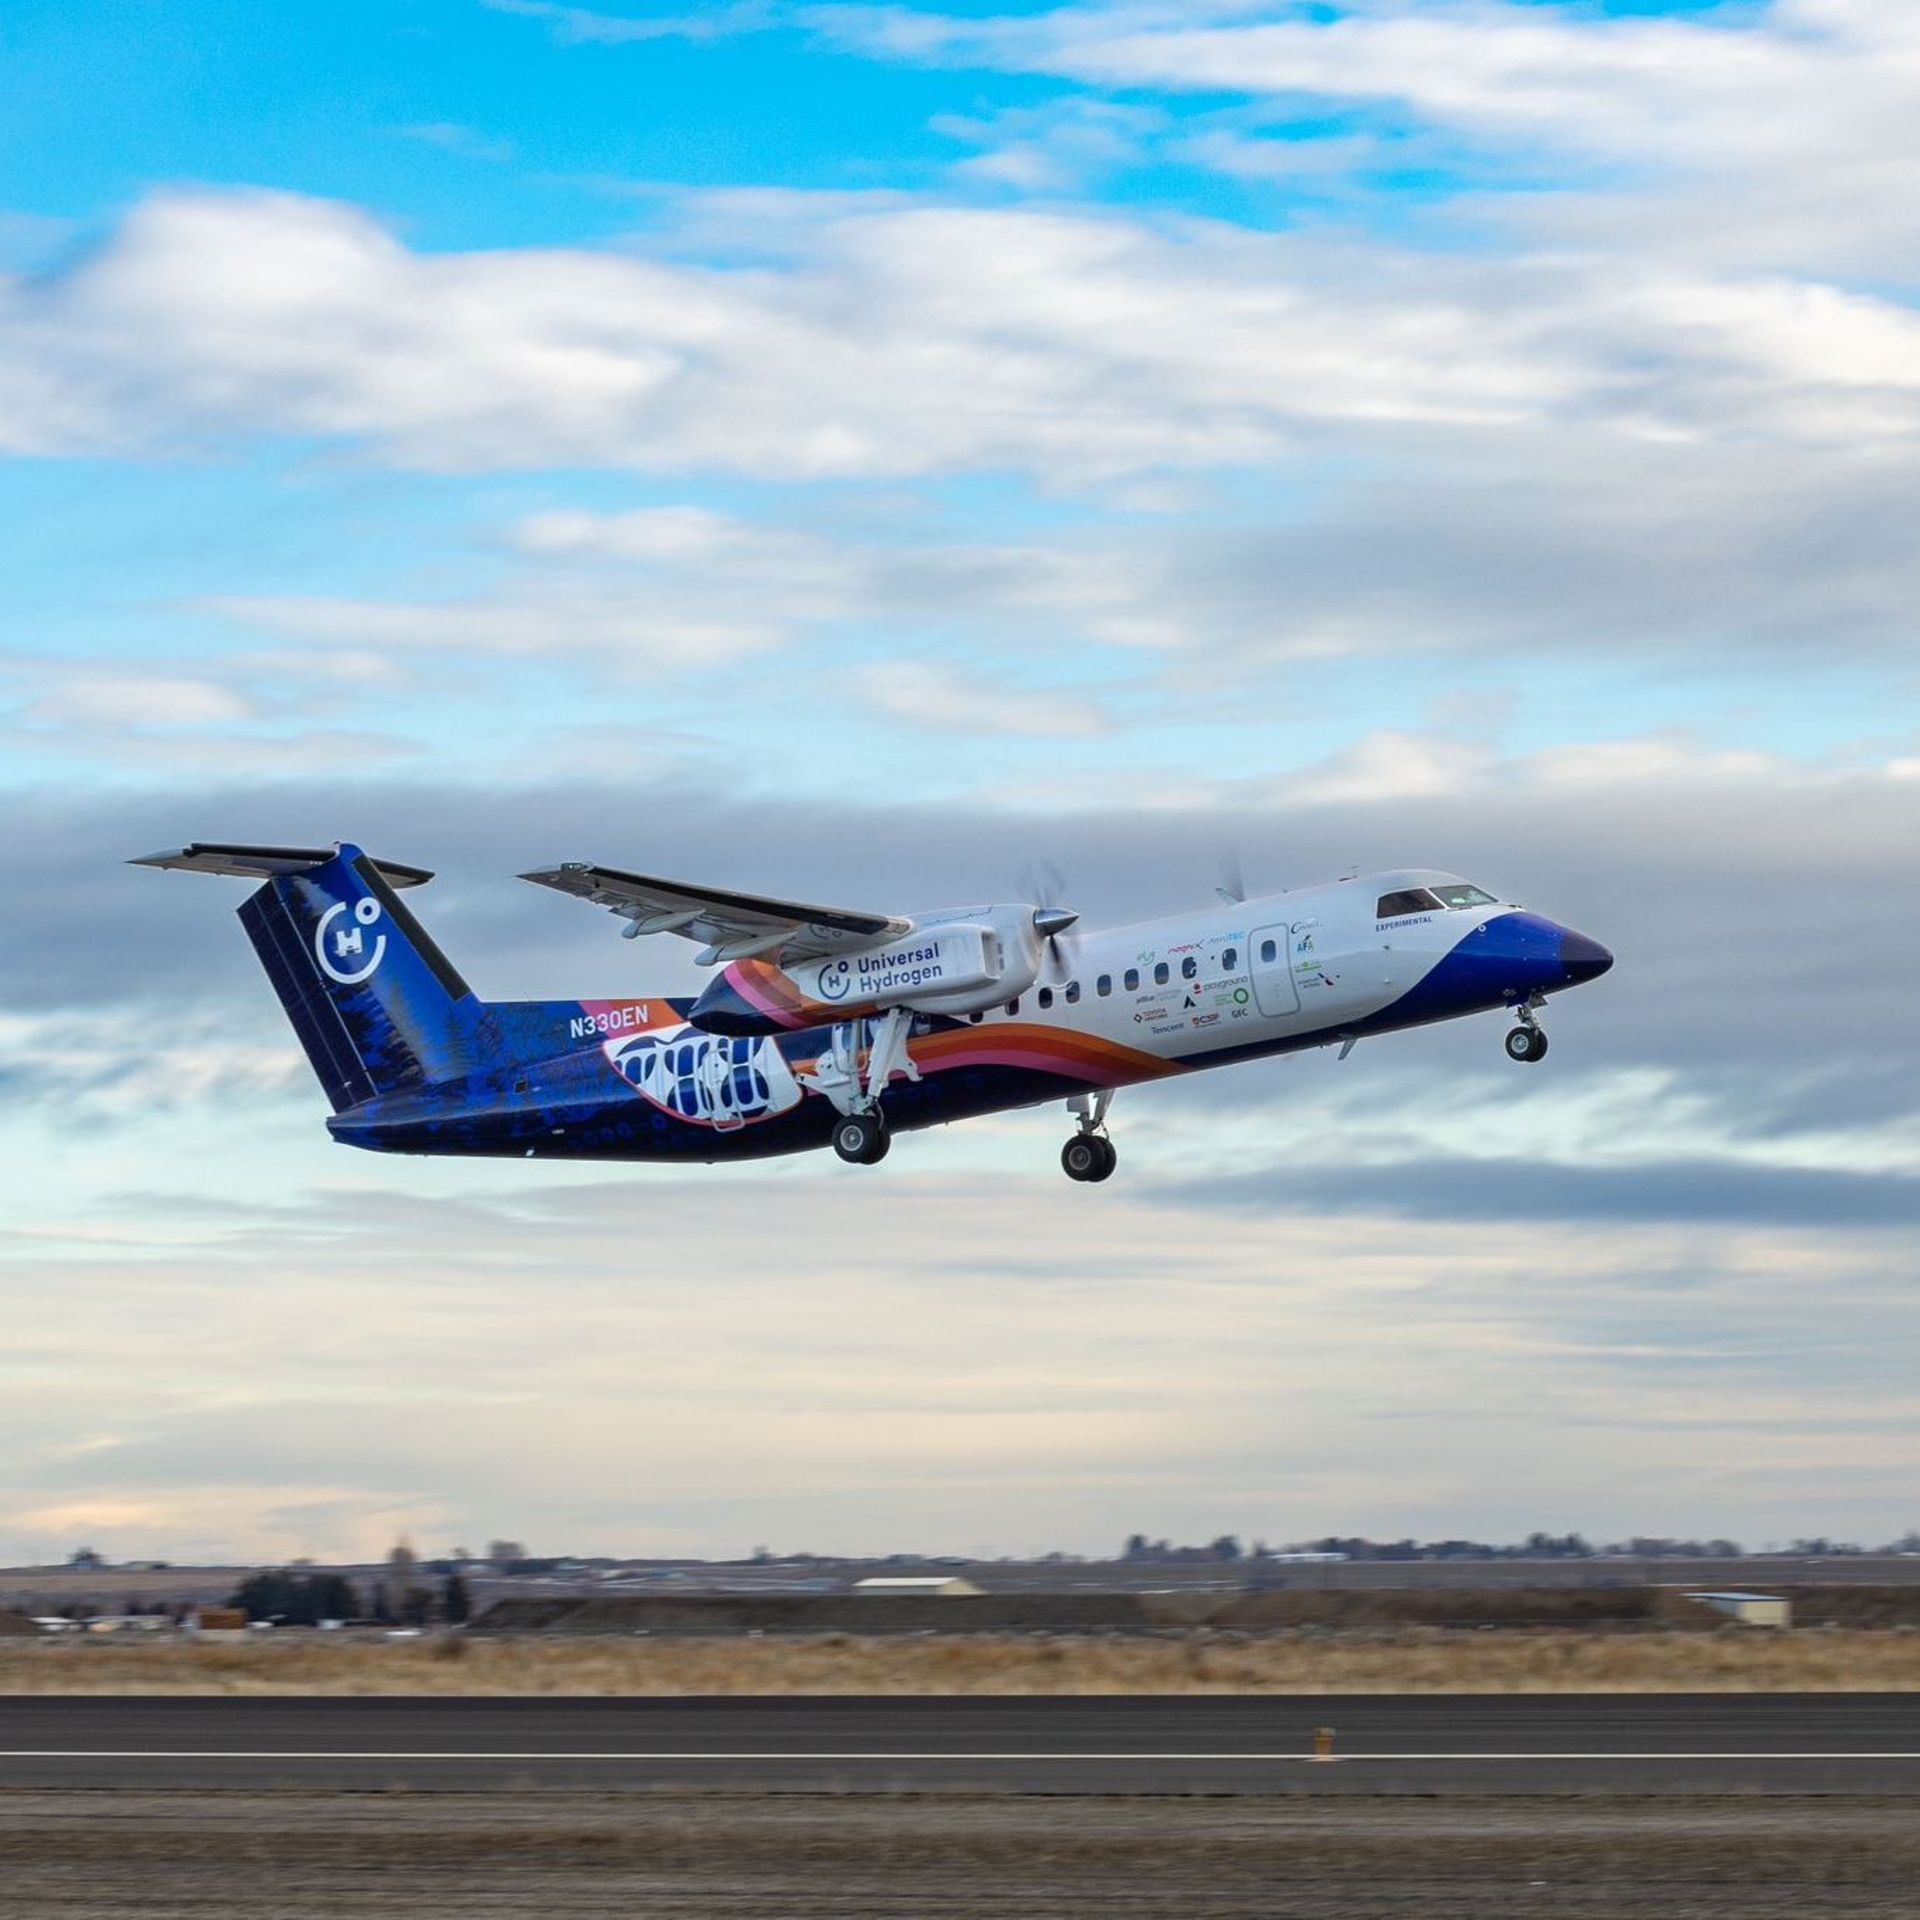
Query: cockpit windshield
1395, 906
1407, 900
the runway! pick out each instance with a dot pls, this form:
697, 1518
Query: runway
1785, 1743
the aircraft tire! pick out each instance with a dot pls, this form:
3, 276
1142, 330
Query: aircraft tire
1087, 1157
860, 1139
1109, 1159
1526, 1043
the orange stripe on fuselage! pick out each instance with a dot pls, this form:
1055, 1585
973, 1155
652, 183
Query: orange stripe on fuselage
1061, 1050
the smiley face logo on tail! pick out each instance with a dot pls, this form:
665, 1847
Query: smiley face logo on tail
334, 947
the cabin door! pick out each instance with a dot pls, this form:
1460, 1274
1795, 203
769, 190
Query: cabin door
1270, 959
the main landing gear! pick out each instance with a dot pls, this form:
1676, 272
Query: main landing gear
860, 1134
1527, 1041
1090, 1155
861, 1139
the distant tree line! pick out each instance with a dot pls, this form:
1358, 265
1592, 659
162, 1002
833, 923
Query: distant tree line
1536, 1546
289, 1599
297, 1599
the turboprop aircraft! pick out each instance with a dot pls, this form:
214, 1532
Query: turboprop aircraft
829, 1026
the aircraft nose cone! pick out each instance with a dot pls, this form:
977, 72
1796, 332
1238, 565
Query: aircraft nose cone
1583, 959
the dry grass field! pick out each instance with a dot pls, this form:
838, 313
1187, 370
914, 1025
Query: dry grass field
1416, 1660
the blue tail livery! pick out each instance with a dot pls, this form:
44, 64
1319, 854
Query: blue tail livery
831, 1026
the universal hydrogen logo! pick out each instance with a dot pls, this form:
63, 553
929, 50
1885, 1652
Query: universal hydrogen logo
348, 943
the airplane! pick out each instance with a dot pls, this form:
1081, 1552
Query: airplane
829, 1026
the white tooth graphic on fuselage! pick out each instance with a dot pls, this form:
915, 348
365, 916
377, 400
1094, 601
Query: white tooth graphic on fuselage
705, 1078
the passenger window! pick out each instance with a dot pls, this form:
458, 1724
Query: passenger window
1189, 968
1229, 959
1131, 979
1104, 985
1073, 993
1411, 900
1159, 973
1269, 953
1046, 998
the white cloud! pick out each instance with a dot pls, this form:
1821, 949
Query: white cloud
464, 143
687, 588
557, 621
909, 341
1050, 1387
943, 700
115, 698
587, 26
1779, 135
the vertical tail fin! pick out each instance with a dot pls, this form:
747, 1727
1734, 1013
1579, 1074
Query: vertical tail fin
377, 1006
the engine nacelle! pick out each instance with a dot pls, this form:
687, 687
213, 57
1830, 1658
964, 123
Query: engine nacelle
953, 966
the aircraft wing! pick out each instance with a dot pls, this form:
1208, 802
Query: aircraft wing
732, 926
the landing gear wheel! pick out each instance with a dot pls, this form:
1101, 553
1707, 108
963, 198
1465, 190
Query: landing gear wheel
1526, 1043
1088, 1157
861, 1139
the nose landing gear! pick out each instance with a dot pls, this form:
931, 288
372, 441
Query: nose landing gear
1527, 1041
1090, 1155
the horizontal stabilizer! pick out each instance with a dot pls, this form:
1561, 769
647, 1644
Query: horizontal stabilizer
271, 863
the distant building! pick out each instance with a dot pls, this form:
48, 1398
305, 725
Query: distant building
1750, 1609
218, 1623
919, 1586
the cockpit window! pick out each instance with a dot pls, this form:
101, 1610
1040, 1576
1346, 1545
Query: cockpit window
1464, 896
1409, 900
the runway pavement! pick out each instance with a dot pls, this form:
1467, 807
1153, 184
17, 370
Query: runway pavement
1789, 1743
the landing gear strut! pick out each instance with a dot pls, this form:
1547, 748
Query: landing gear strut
1527, 1041
1090, 1155
860, 1134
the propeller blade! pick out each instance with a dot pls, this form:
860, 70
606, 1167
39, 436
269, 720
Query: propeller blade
1233, 883
1044, 883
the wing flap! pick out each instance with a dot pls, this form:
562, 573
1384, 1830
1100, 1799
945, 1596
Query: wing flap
732, 924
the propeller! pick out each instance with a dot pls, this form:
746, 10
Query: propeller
1233, 883
1044, 885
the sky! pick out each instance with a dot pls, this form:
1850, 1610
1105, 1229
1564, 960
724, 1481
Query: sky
861, 451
